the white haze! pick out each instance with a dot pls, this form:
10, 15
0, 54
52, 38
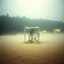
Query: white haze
46, 9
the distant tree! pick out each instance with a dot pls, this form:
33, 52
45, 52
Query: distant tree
7, 15
17, 24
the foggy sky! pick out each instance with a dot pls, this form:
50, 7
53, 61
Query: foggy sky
47, 9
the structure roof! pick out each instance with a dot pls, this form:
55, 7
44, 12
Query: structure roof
31, 27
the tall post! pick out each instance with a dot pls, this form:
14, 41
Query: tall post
25, 34
38, 34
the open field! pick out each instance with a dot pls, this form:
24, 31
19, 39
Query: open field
49, 51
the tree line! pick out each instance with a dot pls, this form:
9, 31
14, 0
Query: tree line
16, 24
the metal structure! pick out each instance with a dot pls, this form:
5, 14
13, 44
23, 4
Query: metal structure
33, 33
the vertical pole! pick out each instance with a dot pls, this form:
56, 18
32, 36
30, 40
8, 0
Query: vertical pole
38, 34
28, 34
25, 34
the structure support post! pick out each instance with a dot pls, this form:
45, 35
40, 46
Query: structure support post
38, 34
25, 34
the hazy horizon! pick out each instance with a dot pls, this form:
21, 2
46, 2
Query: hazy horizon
45, 9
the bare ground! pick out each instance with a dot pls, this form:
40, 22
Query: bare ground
49, 51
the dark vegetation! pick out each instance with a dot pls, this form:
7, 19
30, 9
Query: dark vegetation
16, 24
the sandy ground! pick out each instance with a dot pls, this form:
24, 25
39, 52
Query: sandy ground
49, 51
